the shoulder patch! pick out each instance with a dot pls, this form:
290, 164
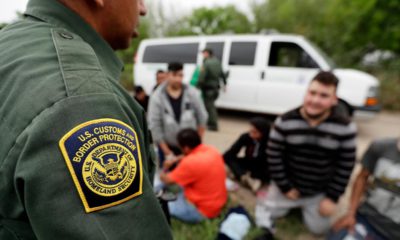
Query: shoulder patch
103, 157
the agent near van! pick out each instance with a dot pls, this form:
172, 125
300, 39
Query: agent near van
75, 153
209, 82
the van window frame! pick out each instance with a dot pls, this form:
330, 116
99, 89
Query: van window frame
286, 44
189, 58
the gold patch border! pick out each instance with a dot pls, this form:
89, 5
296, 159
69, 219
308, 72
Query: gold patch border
72, 171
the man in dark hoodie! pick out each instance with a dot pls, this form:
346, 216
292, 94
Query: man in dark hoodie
252, 168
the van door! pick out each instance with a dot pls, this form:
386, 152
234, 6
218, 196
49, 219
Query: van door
287, 75
241, 91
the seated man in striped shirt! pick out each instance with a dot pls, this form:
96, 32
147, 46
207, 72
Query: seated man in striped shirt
311, 154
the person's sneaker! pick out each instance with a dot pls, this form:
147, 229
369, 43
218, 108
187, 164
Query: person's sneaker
254, 184
266, 235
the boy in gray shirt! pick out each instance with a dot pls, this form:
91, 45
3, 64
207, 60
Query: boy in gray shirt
378, 216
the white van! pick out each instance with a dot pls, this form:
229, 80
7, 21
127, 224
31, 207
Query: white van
267, 73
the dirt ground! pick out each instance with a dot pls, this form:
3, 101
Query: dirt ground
232, 124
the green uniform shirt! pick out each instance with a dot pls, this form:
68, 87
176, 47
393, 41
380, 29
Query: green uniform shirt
75, 154
211, 73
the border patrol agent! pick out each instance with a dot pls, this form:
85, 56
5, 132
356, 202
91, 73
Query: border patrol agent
75, 153
209, 82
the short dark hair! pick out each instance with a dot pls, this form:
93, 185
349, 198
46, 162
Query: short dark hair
175, 66
160, 71
326, 78
209, 50
188, 138
261, 124
139, 89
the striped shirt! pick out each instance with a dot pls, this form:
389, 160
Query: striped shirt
312, 160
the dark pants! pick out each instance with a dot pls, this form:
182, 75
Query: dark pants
239, 166
209, 97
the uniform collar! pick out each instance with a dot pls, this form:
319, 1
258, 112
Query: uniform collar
55, 13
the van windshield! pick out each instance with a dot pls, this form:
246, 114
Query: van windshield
327, 59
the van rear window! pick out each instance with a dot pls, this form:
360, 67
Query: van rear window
166, 53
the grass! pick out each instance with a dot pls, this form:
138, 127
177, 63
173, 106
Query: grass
289, 227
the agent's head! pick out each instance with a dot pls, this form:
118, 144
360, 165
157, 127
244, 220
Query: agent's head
207, 52
175, 75
188, 139
116, 21
321, 95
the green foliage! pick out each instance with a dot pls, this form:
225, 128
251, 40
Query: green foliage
208, 21
347, 30
127, 56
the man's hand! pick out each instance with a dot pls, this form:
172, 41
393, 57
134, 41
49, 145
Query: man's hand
170, 161
327, 207
347, 222
293, 194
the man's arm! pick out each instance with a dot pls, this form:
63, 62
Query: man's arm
53, 189
236, 147
275, 154
345, 161
165, 178
199, 111
349, 220
368, 162
155, 124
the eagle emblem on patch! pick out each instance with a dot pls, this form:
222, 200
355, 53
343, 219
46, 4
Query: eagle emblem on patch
103, 157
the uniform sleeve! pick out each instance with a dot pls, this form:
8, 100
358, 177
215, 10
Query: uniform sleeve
155, 118
199, 108
275, 149
371, 157
345, 161
50, 192
183, 174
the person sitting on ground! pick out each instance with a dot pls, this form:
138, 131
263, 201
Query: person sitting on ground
311, 154
378, 215
141, 97
201, 174
252, 168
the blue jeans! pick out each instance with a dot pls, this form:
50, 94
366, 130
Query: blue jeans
363, 231
184, 210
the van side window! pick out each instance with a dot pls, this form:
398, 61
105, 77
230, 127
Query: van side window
286, 54
217, 48
166, 53
242, 53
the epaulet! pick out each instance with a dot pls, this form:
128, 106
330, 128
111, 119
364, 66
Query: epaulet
79, 64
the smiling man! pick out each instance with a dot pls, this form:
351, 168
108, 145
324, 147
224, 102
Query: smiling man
311, 154
62, 177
